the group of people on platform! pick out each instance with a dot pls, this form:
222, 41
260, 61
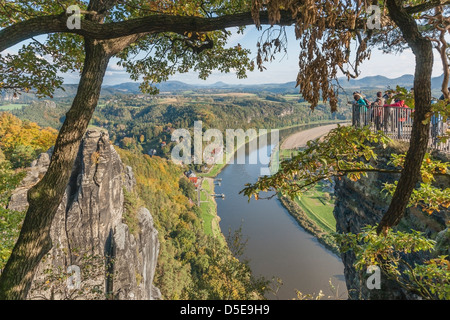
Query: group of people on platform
392, 116
386, 100
386, 112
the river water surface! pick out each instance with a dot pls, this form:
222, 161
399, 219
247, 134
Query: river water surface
276, 245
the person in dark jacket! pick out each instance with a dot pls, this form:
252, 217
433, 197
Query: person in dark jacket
359, 110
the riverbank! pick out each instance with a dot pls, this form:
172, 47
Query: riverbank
217, 168
300, 139
275, 245
307, 222
325, 238
313, 219
208, 207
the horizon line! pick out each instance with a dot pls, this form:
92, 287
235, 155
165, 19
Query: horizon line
254, 84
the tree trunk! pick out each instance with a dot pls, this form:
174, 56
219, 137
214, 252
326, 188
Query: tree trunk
444, 59
44, 198
423, 52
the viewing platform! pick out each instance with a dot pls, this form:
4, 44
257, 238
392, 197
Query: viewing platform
396, 122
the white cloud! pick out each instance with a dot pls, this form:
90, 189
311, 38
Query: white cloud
235, 37
395, 65
283, 69
115, 67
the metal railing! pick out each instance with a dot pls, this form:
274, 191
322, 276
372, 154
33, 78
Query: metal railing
396, 122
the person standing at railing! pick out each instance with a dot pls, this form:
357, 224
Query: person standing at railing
395, 116
436, 124
402, 117
387, 111
377, 107
359, 110
389, 97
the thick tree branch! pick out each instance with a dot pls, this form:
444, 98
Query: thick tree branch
426, 6
423, 51
44, 198
151, 24
34, 240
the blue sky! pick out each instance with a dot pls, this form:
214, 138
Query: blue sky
283, 69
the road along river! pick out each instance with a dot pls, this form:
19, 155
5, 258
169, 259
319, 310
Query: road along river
276, 245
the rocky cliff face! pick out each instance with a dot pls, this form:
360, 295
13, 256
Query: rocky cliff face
362, 203
94, 254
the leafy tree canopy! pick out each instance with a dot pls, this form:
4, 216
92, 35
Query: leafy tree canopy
178, 36
154, 56
156, 39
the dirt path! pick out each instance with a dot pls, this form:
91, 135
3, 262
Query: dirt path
300, 139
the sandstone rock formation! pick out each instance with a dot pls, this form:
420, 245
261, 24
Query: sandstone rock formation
94, 254
362, 203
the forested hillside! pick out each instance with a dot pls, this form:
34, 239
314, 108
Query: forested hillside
20, 143
144, 122
191, 265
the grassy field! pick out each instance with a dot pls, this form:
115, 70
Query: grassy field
207, 206
292, 97
279, 156
11, 106
209, 209
319, 207
287, 154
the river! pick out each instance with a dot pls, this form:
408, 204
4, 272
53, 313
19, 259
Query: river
276, 245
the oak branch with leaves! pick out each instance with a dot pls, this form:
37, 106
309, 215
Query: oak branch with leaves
351, 152
178, 36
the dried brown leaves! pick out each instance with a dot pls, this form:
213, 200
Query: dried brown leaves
325, 29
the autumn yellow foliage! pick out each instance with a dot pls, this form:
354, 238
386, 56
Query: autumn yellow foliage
21, 141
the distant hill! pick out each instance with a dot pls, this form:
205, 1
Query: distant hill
378, 82
372, 82
178, 86
133, 87
382, 82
